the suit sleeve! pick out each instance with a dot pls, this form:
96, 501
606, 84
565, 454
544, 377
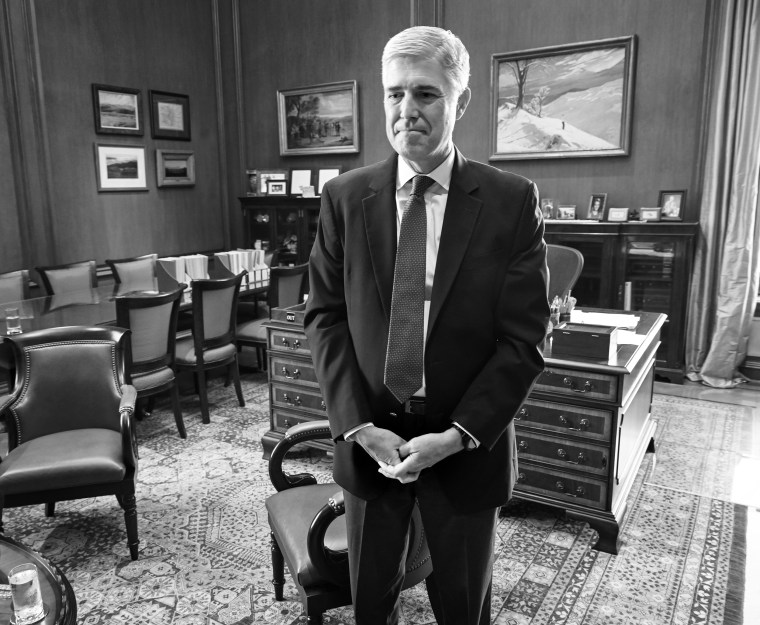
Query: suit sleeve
326, 326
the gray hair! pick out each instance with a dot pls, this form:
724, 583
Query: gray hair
430, 42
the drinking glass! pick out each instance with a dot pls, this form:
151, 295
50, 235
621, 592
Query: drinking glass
12, 321
26, 595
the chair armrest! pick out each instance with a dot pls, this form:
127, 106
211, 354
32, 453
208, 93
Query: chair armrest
308, 431
128, 437
5, 401
331, 565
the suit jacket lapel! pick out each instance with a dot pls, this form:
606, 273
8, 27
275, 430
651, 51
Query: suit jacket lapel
380, 222
461, 213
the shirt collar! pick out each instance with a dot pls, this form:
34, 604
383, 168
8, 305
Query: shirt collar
441, 174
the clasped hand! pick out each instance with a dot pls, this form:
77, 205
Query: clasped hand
404, 460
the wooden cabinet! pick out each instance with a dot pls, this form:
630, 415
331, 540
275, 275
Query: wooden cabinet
584, 429
636, 266
285, 224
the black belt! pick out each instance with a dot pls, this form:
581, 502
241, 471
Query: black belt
415, 405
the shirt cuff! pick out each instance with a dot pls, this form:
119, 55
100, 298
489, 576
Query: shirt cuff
347, 435
474, 440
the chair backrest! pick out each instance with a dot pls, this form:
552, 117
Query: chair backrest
134, 274
153, 322
78, 276
14, 286
69, 378
214, 311
565, 266
287, 285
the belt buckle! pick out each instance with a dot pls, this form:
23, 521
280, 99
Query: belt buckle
415, 405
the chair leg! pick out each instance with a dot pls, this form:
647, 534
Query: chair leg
129, 503
50, 508
178, 412
203, 394
278, 569
233, 367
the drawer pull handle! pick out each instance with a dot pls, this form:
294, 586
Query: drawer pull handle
521, 477
522, 413
296, 343
295, 375
287, 424
570, 383
323, 405
293, 402
523, 446
579, 491
584, 424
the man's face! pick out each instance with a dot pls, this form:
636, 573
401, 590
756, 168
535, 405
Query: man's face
421, 108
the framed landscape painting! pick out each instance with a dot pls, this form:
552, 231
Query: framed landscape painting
120, 167
175, 168
323, 119
563, 101
118, 110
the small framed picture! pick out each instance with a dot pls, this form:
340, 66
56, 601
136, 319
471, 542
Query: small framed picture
175, 168
650, 214
264, 175
120, 167
118, 110
169, 115
251, 182
617, 214
547, 207
299, 178
566, 211
672, 204
325, 174
596, 205
277, 187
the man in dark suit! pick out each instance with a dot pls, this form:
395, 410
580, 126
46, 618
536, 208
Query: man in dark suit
446, 440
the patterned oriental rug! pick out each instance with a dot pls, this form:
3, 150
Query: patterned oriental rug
204, 539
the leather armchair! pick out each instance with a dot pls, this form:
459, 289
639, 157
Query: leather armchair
70, 422
309, 532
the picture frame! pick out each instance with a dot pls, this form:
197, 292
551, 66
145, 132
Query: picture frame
596, 205
565, 101
566, 211
617, 214
175, 168
325, 174
650, 214
263, 175
299, 177
120, 167
277, 187
548, 208
672, 204
321, 119
252, 184
118, 110
169, 115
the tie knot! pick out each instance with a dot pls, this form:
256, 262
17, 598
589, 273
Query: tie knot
420, 184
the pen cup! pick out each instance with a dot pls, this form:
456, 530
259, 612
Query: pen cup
12, 321
25, 593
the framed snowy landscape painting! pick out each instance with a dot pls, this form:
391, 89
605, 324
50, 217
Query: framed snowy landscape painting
563, 101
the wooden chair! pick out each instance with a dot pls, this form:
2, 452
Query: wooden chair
137, 273
14, 287
287, 287
565, 266
212, 343
309, 532
71, 434
69, 277
150, 357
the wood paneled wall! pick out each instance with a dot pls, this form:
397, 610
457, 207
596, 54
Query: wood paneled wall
232, 56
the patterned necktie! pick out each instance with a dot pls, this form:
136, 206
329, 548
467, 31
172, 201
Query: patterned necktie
403, 361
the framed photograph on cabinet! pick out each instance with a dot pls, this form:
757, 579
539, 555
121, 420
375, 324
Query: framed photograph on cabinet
277, 187
617, 214
548, 207
175, 168
169, 115
120, 167
672, 204
323, 119
328, 173
650, 214
566, 211
571, 100
263, 175
118, 110
596, 206
299, 178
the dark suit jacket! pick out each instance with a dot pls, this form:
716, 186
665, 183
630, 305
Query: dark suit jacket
487, 320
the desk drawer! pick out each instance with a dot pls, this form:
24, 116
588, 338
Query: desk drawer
284, 419
563, 452
290, 342
559, 381
589, 423
577, 489
290, 370
299, 397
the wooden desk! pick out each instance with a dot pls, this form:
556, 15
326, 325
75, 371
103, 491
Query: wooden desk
584, 429
57, 594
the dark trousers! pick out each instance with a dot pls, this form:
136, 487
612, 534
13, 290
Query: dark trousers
461, 549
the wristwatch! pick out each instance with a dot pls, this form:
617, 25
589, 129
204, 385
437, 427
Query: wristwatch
467, 441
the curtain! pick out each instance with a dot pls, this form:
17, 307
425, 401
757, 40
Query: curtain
727, 260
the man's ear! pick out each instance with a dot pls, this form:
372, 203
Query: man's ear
463, 101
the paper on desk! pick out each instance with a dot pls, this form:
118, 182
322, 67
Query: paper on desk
615, 320
626, 337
